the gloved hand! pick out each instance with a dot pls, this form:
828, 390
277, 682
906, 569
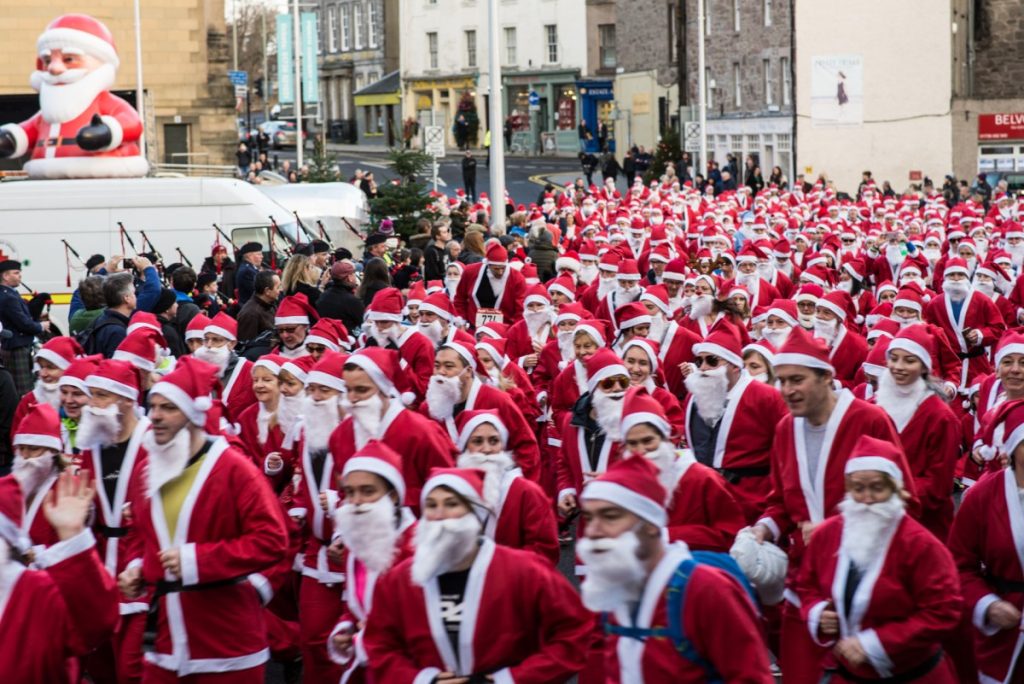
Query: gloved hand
95, 136
7, 143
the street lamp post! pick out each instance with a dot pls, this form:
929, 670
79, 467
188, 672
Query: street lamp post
702, 88
497, 150
140, 99
297, 42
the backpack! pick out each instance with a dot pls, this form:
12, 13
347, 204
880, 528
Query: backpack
676, 590
87, 337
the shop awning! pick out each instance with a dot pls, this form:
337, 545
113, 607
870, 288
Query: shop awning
386, 91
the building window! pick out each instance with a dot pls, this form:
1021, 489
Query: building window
767, 12
471, 49
737, 86
606, 41
346, 29
374, 29
432, 49
766, 70
736, 15
707, 19
332, 28
357, 22
510, 46
551, 31
786, 80
709, 101
319, 33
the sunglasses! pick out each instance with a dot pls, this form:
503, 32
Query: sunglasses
616, 381
709, 361
287, 330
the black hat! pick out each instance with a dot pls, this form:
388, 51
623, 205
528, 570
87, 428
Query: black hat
249, 248
10, 265
342, 253
171, 268
320, 247
376, 239
94, 261
305, 249
165, 301
205, 279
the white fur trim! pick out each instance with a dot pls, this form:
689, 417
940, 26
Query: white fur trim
1007, 350
134, 359
269, 365
377, 466
116, 132
181, 399
503, 676
77, 383
567, 263
877, 656
374, 371
189, 565
907, 304
645, 319
427, 675
779, 313
814, 622
662, 306
635, 503
833, 307
882, 465
978, 615
325, 379
26, 439
194, 334
458, 485
61, 38
297, 372
272, 471
646, 347
20, 139
475, 422
290, 320
806, 360
492, 352
469, 358
772, 527
633, 419
118, 388
606, 372
52, 555
54, 358
223, 332
911, 347
437, 311
262, 586
380, 316
719, 351
339, 657
318, 339
591, 331
87, 166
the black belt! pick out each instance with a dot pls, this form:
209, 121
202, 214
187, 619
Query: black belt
1005, 586
734, 475
908, 676
57, 142
973, 354
163, 588
112, 532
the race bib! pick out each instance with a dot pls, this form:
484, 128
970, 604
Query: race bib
485, 316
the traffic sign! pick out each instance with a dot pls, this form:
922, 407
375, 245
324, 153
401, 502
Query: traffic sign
433, 140
692, 136
238, 78
241, 90
534, 98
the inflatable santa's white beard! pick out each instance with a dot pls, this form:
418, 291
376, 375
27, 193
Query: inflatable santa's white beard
64, 97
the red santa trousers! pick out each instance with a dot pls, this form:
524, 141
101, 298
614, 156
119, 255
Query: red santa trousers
320, 607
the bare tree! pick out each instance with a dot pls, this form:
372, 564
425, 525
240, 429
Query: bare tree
257, 52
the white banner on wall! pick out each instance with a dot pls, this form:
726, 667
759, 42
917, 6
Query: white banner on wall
837, 90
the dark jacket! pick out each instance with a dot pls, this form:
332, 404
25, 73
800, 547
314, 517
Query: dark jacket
469, 167
187, 310
372, 289
245, 281
543, 255
8, 403
433, 262
312, 293
16, 318
226, 277
341, 303
255, 317
175, 341
467, 257
108, 331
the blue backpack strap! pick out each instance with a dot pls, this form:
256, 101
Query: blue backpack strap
727, 563
676, 600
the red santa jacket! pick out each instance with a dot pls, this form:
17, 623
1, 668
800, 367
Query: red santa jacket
416, 358
566, 389
987, 542
509, 297
701, 511
542, 623
676, 348
34, 524
847, 355
229, 527
524, 518
519, 345
65, 609
317, 525
978, 313
573, 466
715, 610
258, 451
548, 367
237, 394
907, 602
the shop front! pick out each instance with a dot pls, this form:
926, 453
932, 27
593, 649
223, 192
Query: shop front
1001, 148
378, 112
435, 102
549, 125
597, 107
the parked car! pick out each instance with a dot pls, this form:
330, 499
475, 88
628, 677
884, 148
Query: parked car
282, 133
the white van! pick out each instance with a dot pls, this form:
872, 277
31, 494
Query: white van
340, 209
175, 213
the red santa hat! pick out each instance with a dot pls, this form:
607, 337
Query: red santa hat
675, 270
956, 265
640, 407
492, 330
883, 327
80, 369
908, 298
497, 255
633, 484
800, 349
648, 346
723, 342
660, 254
141, 349
871, 453
494, 348
1010, 343
295, 310
466, 482
631, 315
570, 261
12, 510
464, 349
603, 364
299, 367
468, 421
116, 377
78, 33
1010, 417
809, 292
536, 294
329, 332
327, 371
39, 428
225, 326
60, 351
197, 327
563, 284
786, 310
916, 340
856, 269
143, 319
875, 363
838, 302
270, 362
381, 365
381, 460
658, 296
594, 329
440, 305
387, 305
189, 387
762, 347
417, 293
610, 261
628, 270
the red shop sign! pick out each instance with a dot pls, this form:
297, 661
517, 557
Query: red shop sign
1001, 126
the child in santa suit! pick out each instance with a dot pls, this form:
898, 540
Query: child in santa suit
878, 592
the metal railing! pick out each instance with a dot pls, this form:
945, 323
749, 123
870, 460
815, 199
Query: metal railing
217, 170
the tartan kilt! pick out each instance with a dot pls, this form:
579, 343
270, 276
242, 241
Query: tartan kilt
19, 363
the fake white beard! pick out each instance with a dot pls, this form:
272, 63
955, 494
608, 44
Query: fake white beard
765, 270
899, 401
605, 287
932, 255
370, 531
494, 467
786, 267
666, 459
432, 330
624, 296
64, 97
588, 272
1016, 254
608, 410
760, 377
451, 283
826, 330
709, 390
263, 417
497, 284
846, 286
319, 420
615, 576
700, 306
565, 348
956, 289
288, 411
904, 321
217, 356
537, 321
366, 415
894, 256
167, 461
911, 278
31, 473
867, 528
657, 329
987, 288
443, 544
48, 393
98, 426
442, 395
748, 280
288, 352
776, 336
381, 337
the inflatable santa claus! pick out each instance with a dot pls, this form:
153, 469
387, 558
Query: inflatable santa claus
81, 129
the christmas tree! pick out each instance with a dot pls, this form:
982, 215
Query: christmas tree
467, 108
405, 199
322, 166
667, 151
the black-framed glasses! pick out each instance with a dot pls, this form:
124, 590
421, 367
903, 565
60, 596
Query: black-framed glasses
709, 361
616, 381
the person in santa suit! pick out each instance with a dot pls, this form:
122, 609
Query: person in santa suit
74, 396
631, 320
607, 270
82, 130
497, 370
701, 511
640, 356
455, 388
209, 524
588, 337
929, 430
707, 309
434, 614
65, 605
144, 349
37, 464
1005, 385
377, 532
195, 331
233, 371
730, 419
490, 284
675, 343
847, 349
415, 350
811, 446
853, 280
436, 318
987, 542
326, 334
762, 293
558, 352
627, 289
526, 338
523, 517
674, 280
992, 280
375, 410
971, 323
877, 589
292, 321
52, 359
632, 577
259, 428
